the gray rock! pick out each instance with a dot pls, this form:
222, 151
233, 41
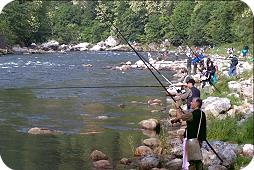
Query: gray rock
43, 131
217, 167
148, 162
216, 105
102, 165
175, 164
151, 142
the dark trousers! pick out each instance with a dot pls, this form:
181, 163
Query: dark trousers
196, 165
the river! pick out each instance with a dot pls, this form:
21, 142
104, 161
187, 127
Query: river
40, 90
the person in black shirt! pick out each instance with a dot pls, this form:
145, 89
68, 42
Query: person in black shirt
193, 120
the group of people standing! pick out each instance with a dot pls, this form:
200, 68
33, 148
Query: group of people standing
195, 132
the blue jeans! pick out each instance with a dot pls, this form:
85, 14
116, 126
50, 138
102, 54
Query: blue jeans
232, 71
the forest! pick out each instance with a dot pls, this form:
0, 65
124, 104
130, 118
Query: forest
182, 22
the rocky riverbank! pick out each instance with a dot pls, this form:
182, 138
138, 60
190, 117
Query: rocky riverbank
110, 44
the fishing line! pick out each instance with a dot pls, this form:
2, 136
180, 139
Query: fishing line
140, 57
83, 87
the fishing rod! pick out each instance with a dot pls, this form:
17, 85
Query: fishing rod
192, 52
212, 85
140, 57
144, 61
83, 87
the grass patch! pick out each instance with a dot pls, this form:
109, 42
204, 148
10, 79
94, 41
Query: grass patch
241, 162
222, 50
229, 130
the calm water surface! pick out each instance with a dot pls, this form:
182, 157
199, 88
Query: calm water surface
25, 104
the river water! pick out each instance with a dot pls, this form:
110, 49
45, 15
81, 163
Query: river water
40, 90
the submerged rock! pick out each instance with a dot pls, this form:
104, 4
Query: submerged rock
43, 131
98, 155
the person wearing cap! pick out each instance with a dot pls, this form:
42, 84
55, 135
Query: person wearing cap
191, 92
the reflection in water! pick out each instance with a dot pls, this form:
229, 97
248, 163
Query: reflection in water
72, 111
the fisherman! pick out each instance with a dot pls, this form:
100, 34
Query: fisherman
232, 68
179, 87
190, 92
209, 74
196, 128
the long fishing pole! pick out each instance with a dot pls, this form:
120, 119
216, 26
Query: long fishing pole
144, 61
192, 52
140, 57
83, 87
212, 85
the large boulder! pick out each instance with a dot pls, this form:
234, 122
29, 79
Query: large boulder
175, 164
98, 155
217, 167
148, 162
216, 105
151, 142
81, 46
20, 50
234, 86
111, 41
143, 150
53, 44
150, 124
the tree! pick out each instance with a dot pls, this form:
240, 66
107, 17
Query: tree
199, 18
180, 22
218, 29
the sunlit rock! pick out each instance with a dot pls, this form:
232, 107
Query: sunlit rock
150, 124
216, 105
151, 142
98, 155
143, 150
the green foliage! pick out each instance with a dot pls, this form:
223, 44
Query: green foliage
229, 130
194, 22
241, 162
180, 21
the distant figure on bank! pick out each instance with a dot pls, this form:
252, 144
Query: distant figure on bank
230, 52
232, 68
245, 51
209, 74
